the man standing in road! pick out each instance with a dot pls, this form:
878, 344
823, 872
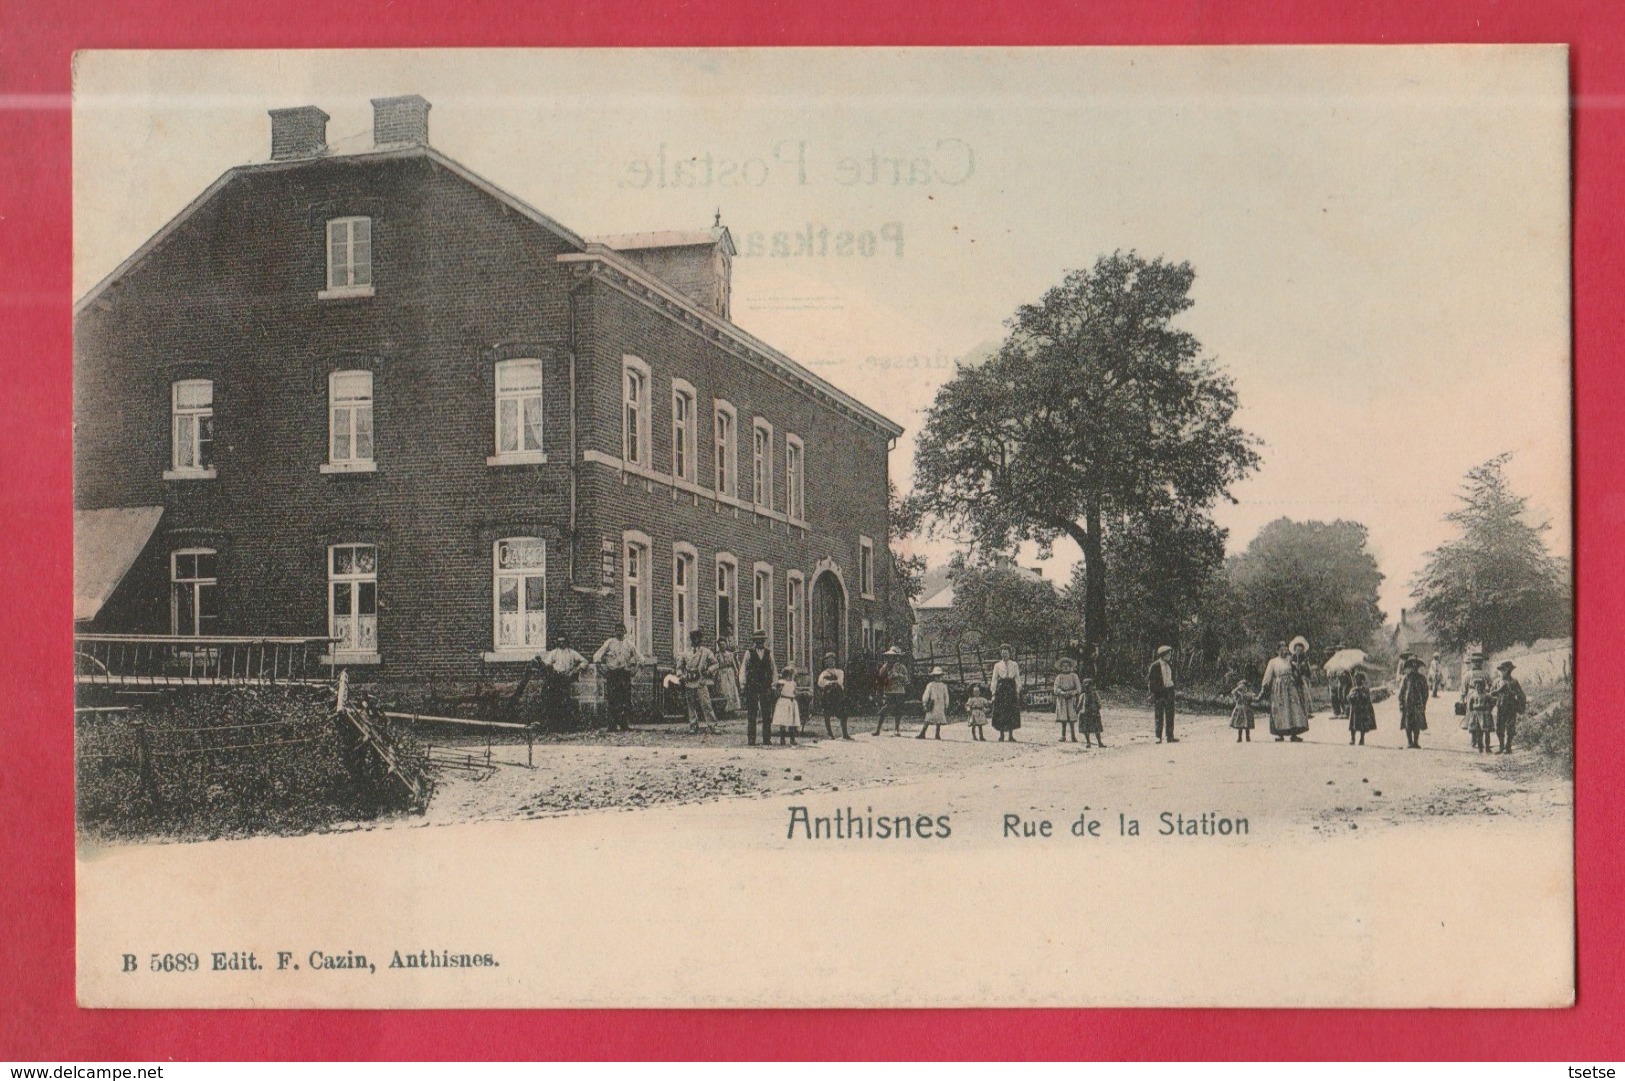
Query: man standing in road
759, 689
619, 659
1160, 682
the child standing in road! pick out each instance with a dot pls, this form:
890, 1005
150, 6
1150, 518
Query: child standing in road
1481, 714
786, 710
1241, 713
935, 703
978, 705
1089, 714
831, 688
1362, 714
1068, 689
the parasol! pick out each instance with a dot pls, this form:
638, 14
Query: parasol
1346, 660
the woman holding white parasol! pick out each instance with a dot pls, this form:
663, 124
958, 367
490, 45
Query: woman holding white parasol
1286, 690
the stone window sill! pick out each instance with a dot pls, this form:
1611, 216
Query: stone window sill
510, 656
345, 292
348, 467
526, 457
190, 474
343, 659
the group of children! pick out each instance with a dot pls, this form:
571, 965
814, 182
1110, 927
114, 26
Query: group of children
1356, 701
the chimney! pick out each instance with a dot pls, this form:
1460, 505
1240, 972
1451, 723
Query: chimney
300, 132
400, 120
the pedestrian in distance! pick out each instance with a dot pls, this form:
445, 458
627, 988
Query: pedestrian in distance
832, 699
1480, 718
1068, 690
1089, 714
1241, 711
893, 679
786, 710
1006, 695
978, 706
1362, 714
934, 703
1510, 703
1159, 679
618, 659
696, 669
1413, 703
757, 688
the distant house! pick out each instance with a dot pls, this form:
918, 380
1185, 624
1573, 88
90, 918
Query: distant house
933, 630
1411, 634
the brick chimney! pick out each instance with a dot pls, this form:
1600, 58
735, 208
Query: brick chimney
402, 120
300, 132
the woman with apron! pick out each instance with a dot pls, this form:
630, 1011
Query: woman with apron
1006, 696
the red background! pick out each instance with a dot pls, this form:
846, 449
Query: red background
38, 1018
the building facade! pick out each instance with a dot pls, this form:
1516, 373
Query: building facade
377, 398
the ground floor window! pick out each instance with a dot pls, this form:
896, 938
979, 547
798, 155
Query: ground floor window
636, 583
683, 608
192, 584
352, 599
762, 603
795, 619
727, 594
519, 595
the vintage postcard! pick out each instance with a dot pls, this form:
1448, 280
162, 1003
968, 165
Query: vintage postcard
823, 527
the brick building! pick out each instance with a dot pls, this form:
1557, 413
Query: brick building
376, 397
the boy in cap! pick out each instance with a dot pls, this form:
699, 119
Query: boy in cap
893, 681
1509, 703
831, 687
1160, 682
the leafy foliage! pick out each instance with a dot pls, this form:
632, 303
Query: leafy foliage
1496, 584
1095, 408
1316, 579
999, 603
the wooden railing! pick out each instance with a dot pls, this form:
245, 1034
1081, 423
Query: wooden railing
137, 660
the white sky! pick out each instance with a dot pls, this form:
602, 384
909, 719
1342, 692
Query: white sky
1380, 235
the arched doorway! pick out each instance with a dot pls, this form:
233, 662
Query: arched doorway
828, 618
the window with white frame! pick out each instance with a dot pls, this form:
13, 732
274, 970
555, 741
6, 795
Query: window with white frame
192, 427
762, 463
866, 567
192, 581
518, 411
349, 412
352, 600
682, 430
727, 597
684, 595
519, 595
349, 257
761, 619
795, 619
634, 411
868, 636
637, 581
795, 478
726, 444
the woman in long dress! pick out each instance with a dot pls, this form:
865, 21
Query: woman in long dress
728, 676
1006, 696
1288, 694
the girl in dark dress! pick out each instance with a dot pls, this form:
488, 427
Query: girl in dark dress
1362, 714
1006, 696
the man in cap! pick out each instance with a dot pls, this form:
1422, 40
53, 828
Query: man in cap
696, 668
618, 659
758, 688
893, 681
1160, 681
1510, 702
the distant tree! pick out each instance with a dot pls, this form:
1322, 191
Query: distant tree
1496, 583
1095, 408
907, 569
1163, 567
999, 603
1311, 578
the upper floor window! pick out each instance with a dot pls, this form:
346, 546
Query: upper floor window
192, 582
866, 567
192, 428
349, 257
349, 410
727, 449
634, 411
519, 411
519, 594
352, 600
762, 462
682, 431
795, 479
